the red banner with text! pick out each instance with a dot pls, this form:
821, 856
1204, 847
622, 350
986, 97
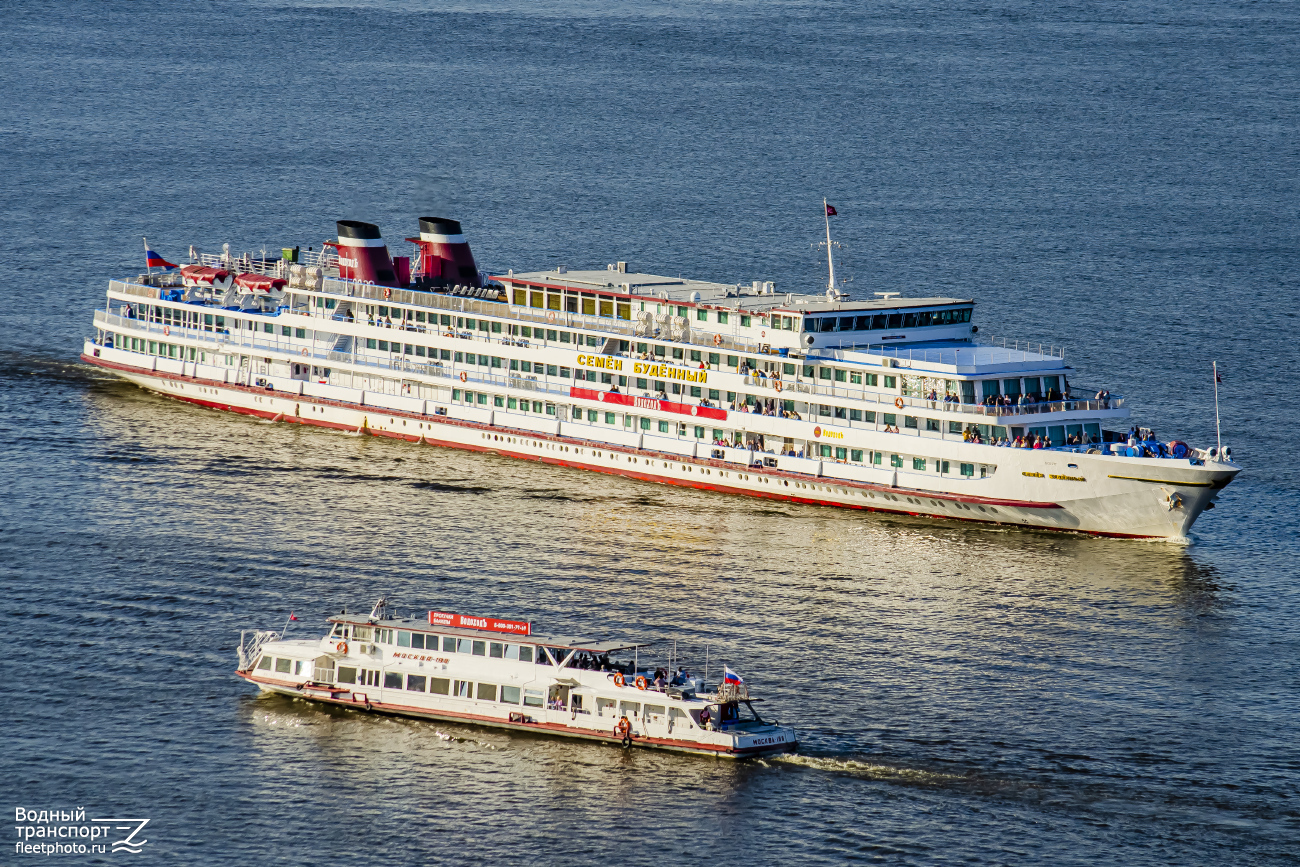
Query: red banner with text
647, 403
490, 624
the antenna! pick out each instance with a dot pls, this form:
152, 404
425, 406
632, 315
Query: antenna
1218, 433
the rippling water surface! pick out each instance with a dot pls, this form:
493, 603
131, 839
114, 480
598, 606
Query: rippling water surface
1117, 178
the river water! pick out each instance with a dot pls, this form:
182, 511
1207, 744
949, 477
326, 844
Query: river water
1115, 178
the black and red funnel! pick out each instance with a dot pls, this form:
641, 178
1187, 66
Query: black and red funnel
363, 255
445, 257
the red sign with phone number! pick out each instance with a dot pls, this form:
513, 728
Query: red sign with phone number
490, 624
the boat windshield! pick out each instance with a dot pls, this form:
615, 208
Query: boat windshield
738, 714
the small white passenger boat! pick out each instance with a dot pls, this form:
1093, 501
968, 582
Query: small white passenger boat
493, 672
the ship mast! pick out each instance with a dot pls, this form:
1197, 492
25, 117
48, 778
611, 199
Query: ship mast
830, 255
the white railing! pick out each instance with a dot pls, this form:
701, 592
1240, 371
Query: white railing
1028, 347
813, 390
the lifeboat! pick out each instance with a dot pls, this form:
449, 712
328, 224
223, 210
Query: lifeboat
263, 284
200, 276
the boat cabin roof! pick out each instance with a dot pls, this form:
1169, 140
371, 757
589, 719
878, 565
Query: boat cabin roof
682, 290
567, 642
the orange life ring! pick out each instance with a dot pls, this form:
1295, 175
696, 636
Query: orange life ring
463, 377
640, 683
550, 317
343, 647
898, 402
619, 680
388, 293
762, 334
166, 331
622, 727
717, 340
777, 385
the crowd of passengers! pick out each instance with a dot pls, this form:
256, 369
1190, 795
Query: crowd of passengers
601, 662
1018, 403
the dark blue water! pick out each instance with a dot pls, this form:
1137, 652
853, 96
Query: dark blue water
1117, 178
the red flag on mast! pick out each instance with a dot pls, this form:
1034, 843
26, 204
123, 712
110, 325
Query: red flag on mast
831, 212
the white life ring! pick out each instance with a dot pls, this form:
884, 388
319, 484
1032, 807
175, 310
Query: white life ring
304, 353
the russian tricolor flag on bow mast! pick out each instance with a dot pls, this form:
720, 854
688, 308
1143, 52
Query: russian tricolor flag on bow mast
729, 676
153, 260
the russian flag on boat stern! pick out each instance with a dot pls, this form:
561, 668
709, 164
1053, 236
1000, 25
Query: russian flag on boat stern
729, 676
153, 260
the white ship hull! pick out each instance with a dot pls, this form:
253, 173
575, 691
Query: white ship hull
1089, 493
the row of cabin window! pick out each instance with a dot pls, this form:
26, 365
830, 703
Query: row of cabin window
158, 348
1036, 386
282, 665
573, 302
498, 401
881, 321
439, 686
183, 318
920, 465
454, 644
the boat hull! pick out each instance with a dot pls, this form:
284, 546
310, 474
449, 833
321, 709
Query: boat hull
1102, 495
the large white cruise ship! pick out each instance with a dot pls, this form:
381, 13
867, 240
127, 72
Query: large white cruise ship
892, 404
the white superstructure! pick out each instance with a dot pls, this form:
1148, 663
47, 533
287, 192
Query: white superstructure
498, 673
891, 404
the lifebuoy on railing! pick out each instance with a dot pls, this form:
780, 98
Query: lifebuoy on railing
463, 376
898, 402
777, 385
388, 292
619, 680
304, 353
717, 340
641, 683
550, 316
166, 331
343, 647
